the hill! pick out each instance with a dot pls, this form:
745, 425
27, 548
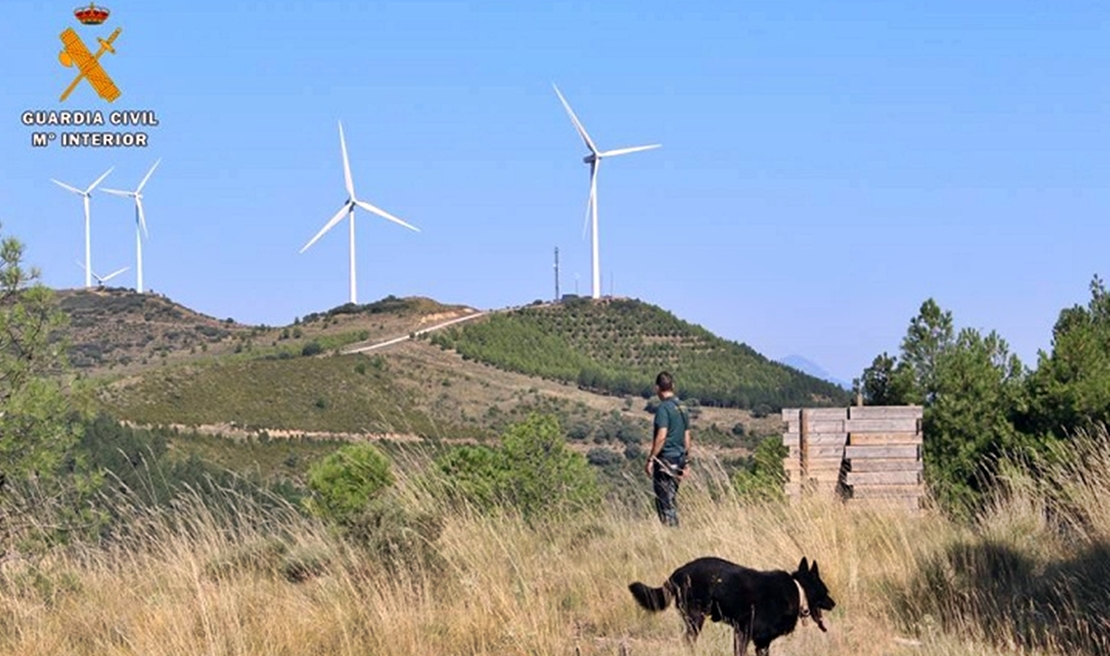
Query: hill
616, 346
155, 362
117, 331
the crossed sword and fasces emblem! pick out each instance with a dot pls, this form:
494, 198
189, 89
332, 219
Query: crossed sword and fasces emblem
88, 64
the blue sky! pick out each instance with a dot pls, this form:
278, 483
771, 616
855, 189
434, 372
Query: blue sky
825, 167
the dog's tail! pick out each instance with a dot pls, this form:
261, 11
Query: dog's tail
653, 599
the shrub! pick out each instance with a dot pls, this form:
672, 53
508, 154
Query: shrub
396, 536
599, 457
312, 348
345, 481
533, 472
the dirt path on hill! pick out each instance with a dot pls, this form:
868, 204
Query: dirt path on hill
230, 430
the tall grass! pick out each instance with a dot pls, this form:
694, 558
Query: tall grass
1029, 576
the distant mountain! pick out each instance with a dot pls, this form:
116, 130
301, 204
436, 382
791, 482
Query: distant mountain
813, 369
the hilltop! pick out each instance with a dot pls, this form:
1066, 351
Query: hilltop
114, 330
616, 346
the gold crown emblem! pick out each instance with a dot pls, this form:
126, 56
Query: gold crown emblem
91, 15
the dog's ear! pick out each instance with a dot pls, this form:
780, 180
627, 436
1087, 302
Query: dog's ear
813, 570
804, 565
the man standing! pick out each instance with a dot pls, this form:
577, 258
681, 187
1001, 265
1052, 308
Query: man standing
670, 449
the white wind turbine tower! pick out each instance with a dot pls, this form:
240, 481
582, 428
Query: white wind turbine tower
349, 209
85, 196
100, 280
140, 222
594, 160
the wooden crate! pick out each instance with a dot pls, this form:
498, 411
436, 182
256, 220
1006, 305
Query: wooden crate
866, 455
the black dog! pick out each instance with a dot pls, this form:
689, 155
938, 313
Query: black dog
760, 606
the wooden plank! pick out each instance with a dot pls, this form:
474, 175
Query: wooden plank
827, 414
816, 452
901, 425
823, 478
879, 439
882, 465
791, 414
815, 439
885, 411
818, 426
887, 491
897, 451
791, 464
856, 478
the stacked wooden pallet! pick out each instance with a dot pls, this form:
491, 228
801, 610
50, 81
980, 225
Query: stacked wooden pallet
815, 439
867, 454
883, 460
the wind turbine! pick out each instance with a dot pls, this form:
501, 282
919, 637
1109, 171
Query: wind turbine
349, 209
140, 221
594, 160
100, 280
85, 196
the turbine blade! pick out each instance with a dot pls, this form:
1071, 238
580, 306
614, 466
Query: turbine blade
113, 274
329, 225
142, 215
117, 192
346, 164
148, 174
80, 264
67, 187
577, 123
385, 215
98, 181
625, 151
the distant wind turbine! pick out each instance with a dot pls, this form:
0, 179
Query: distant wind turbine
140, 222
100, 280
348, 208
88, 241
594, 160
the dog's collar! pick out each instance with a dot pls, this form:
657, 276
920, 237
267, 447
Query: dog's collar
803, 603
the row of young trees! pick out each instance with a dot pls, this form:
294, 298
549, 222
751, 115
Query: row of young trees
617, 348
983, 407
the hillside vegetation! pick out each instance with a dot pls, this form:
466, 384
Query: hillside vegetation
617, 347
342, 394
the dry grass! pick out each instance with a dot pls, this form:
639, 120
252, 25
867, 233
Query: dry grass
277, 583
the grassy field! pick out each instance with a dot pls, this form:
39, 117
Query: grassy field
1028, 576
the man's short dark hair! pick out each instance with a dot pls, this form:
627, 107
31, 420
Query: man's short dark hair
665, 382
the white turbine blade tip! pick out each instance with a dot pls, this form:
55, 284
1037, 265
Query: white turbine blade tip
99, 180
65, 186
346, 163
577, 124
328, 226
625, 151
117, 192
385, 215
148, 174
